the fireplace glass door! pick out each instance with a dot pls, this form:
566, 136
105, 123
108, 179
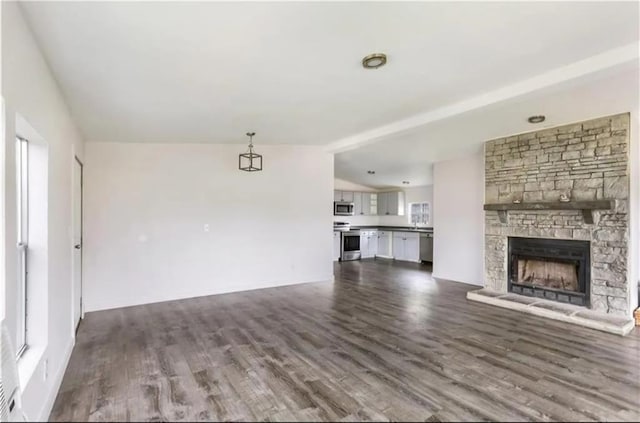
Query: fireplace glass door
552, 269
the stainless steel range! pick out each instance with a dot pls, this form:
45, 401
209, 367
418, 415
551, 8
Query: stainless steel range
341, 226
350, 245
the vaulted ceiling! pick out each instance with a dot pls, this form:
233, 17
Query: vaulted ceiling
208, 72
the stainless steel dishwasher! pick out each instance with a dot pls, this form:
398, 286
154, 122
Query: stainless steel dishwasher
426, 247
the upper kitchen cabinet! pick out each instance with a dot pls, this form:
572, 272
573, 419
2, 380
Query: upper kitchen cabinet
343, 196
365, 203
358, 204
370, 203
391, 203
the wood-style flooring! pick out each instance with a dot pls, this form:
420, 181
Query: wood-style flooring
384, 342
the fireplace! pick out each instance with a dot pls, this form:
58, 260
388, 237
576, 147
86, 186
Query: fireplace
551, 269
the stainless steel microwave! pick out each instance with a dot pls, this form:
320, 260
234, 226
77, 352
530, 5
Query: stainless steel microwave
342, 208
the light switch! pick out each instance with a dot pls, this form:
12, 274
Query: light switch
206, 227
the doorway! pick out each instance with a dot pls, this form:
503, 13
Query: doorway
77, 242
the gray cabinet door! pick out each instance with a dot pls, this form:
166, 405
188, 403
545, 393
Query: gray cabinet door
373, 244
366, 203
412, 248
399, 246
382, 203
384, 244
392, 203
358, 204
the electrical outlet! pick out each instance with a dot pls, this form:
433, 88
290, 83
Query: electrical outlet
45, 371
206, 227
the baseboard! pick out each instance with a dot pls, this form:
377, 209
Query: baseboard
57, 382
239, 288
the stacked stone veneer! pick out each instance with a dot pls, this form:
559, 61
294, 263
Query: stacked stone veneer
586, 161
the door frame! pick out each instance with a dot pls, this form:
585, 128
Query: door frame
74, 324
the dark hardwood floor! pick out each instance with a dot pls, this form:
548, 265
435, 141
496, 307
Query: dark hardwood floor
384, 342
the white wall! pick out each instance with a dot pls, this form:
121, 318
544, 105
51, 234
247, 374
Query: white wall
344, 185
30, 90
458, 241
146, 206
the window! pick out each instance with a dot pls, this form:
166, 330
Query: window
419, 213
22, 200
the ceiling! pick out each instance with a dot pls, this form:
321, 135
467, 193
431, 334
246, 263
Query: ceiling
409, 155
207, 72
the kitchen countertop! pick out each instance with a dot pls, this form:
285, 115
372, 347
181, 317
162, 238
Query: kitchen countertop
428, 230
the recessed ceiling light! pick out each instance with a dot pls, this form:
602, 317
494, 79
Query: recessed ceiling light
536, 119
405, 182
374, 61
371, 172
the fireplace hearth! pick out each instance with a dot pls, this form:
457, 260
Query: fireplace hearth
552, 269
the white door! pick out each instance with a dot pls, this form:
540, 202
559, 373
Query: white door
77, 242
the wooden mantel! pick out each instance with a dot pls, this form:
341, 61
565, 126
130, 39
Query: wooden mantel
587, 207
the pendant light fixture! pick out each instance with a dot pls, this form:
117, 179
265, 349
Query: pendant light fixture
250, 161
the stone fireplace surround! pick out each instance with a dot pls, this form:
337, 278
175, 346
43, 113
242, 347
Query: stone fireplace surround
585, 161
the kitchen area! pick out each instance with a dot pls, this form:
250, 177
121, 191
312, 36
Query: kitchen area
370, 225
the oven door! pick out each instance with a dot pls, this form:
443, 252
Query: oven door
350, 246
341, 208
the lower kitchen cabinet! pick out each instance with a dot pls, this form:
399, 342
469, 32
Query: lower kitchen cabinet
384, 244
406, 246
336, 245
369, 244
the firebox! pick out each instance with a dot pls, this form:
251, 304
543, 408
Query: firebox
553, 269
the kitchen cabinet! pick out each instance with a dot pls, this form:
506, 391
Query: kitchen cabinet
412, 248
370, 203
364, 203
373, 244
406, 246
343, 196
358, 205
368, 244
336, 245
382, 204
384, 244
391, 203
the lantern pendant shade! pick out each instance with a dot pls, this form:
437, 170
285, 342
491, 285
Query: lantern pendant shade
250, 161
